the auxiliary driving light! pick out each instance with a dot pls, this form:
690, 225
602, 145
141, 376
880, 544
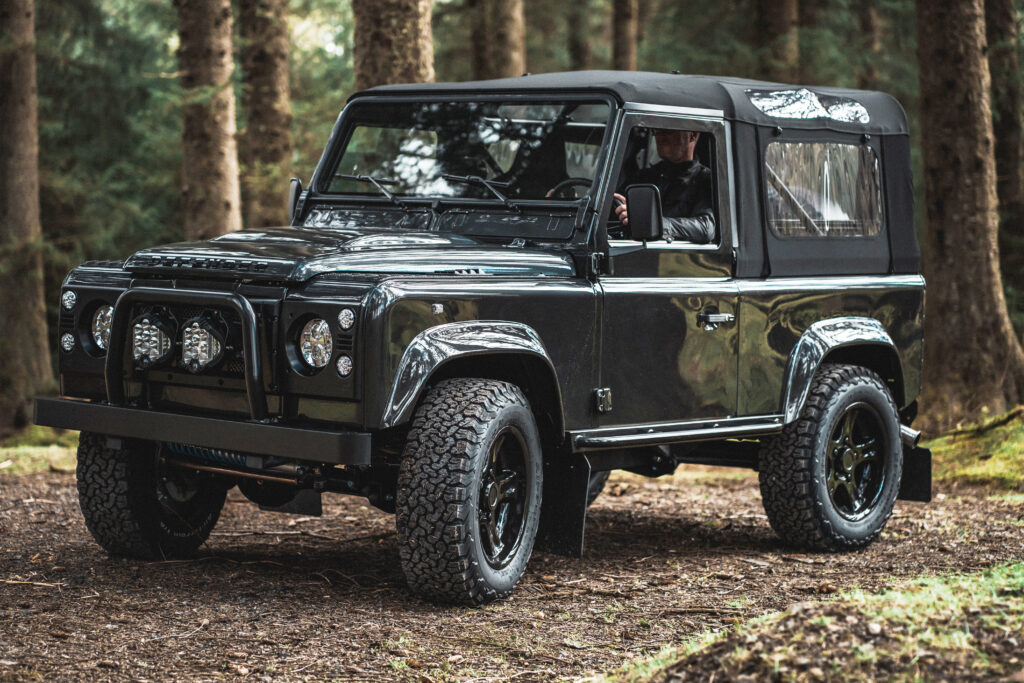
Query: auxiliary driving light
151, 341
346, 318
67, 341
316, 343
68, 300
344, 365
201, 345
101, 326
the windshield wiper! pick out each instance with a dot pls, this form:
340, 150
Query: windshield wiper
379, 183
484, 182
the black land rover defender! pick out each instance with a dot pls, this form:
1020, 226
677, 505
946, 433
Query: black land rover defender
457, 326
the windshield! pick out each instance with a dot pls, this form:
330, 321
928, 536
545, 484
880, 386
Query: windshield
503, 152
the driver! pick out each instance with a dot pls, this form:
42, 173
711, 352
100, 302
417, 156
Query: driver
685, 186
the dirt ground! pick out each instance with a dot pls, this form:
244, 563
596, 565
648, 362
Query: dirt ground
279, 597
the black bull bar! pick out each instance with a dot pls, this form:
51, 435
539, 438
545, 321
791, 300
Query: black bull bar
257, 436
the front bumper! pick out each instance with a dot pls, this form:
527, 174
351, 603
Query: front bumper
257, 438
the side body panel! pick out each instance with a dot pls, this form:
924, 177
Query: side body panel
776, 313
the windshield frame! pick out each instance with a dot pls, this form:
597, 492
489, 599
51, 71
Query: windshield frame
343, 128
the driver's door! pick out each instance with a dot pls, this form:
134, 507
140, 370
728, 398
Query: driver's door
661, 359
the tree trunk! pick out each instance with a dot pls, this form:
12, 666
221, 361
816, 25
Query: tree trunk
210, 190
871, 36
578, 28
267, 142
973, 361
24, 345
810, 39
778, 39
479, 36
624, 34
498, 37
1001, 28
393, 42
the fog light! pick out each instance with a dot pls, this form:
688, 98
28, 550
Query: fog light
344, 365
150, 343
68, 300
346, 318
200, 346
316, 343
67, 341
101, 326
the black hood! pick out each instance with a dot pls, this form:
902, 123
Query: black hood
297, 254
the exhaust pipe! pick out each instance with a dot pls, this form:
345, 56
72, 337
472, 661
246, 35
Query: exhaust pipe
909, 436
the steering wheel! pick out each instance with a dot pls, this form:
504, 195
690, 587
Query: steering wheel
570, 182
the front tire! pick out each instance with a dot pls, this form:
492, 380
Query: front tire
469, 492
829, 480
133, 507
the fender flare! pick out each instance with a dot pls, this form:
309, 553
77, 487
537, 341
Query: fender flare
436, 346
815, 344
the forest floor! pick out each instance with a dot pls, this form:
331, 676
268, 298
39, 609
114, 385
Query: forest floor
682, 559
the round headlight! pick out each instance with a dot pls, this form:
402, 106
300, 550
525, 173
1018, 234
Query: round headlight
346, 318
316, 343
150, 343
101, 326
68, 300
344, 365
67, 341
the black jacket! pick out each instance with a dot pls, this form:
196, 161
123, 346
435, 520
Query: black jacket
685, 199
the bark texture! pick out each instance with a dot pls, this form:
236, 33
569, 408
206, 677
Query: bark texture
871, 35
1001, 29
972, 358
267, 142
778, 39
577, 29
24, 345
210, 189
625, 20
393, 42
498, 37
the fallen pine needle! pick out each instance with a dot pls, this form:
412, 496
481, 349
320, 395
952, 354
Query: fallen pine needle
33, 583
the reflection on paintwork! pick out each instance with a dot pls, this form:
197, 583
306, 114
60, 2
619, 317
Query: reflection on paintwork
804, 104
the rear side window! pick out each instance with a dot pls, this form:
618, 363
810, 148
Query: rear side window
822, 189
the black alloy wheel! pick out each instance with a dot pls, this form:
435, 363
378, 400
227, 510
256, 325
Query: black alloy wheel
469, 492
829, 479
855, 467
504, 492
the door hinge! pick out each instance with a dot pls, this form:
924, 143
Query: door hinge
604, 400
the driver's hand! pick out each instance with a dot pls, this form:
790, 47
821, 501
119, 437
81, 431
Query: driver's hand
620, 210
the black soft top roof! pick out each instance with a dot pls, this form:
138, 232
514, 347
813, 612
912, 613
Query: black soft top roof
885, 115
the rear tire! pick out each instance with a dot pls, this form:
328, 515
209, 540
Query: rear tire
829, 479
469, 492
134, 508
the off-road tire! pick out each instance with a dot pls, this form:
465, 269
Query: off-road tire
128, 505
793, 463
596, 486
444, 464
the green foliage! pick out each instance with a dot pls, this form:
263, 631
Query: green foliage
990, 453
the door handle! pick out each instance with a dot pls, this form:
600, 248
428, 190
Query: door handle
711, 319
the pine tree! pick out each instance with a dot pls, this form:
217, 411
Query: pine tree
393, 42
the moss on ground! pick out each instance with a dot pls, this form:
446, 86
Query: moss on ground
990, 453
960, 626
38, 449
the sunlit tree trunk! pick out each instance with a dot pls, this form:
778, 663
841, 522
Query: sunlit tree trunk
973, 360
776, 26
267, 142
1001, 29
210, 189
24, 343
624, 34
393, 42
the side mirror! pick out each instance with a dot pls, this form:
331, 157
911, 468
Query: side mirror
644, 202
293, 199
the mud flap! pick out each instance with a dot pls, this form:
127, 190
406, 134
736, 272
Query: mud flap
563, 513
916, 483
